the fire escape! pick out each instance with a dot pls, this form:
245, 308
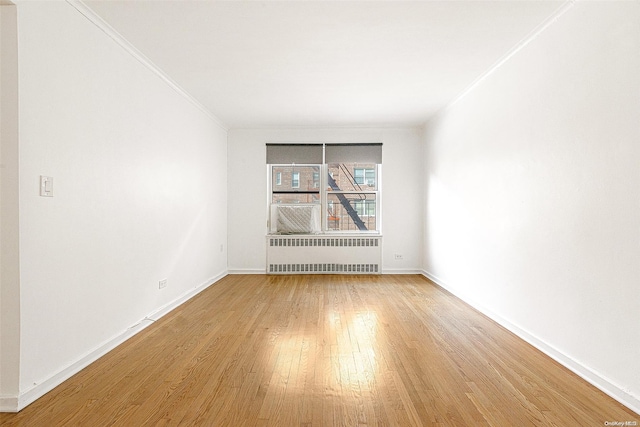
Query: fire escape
345, 201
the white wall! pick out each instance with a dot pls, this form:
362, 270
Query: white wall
9, 261
401, 192
139, 191
533, 194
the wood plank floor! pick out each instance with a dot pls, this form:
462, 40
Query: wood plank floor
323, 351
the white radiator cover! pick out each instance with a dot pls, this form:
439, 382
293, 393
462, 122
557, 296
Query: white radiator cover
324, 254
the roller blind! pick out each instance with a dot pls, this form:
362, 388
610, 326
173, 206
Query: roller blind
294, 153
347, 153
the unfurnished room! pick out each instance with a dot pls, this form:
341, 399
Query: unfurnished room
319, 213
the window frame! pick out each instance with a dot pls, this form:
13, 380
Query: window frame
324, 191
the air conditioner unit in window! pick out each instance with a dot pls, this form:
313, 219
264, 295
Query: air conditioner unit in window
295, 219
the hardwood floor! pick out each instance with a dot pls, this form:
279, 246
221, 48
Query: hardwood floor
324, 351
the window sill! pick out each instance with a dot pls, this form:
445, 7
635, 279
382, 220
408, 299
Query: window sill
330, 234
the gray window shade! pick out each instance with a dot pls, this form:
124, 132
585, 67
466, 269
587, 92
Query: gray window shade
347, 153
294, 153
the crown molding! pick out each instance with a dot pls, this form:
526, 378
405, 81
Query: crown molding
510, 53
95, 19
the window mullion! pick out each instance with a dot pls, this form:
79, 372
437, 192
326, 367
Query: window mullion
378, 209
324, 170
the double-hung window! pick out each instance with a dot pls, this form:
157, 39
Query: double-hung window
365, 176
295, 179
332, 188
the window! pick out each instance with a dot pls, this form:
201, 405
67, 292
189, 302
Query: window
365, 176
365, 207
299, 188
354, 202
344, 188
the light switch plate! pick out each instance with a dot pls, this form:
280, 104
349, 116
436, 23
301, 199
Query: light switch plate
46, 186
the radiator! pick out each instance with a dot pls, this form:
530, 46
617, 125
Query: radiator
323, 255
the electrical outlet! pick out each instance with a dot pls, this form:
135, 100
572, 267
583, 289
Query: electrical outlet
162, 284
398, 256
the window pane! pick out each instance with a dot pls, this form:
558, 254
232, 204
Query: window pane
294, 178
351, 212
370, 177
295, 184
347, 192
358, 174
295, 198
365, 207
352, 177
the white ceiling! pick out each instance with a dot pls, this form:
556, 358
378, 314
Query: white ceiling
324, 63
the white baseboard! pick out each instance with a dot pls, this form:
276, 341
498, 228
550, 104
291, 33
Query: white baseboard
384, 271
28, 397
248, 271
401, 271
586, 373
16, 404
157, 314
